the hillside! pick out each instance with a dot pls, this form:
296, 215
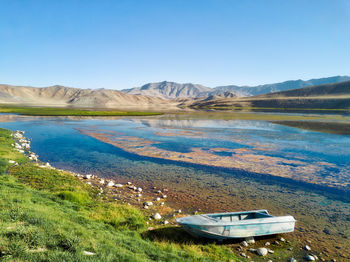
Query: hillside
328, 96
67, 96
169, 90
277, 87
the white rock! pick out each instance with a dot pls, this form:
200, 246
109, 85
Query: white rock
282, 239
118, 185
102, 181
166, 222
139, 195
129, 183
157, 216
87, 176
145, 207
262, 251
310, 258
12, 161
306, 247
250, 240
88, 253
162, 203
158, 199
270, 251
244, 243
164, 196
139, 189
179, 211
292, 259
267, 243
148, 203
110, 183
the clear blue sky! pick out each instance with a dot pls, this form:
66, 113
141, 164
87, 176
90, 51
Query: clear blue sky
122, 44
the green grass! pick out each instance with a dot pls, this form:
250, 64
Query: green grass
46, 111
49, 215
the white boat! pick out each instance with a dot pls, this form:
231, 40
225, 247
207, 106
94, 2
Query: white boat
237, 224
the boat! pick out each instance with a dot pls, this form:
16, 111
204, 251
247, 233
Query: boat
243, 224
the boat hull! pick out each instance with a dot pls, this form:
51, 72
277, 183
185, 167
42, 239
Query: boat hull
239, 231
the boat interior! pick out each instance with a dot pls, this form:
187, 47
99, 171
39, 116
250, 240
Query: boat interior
231, 217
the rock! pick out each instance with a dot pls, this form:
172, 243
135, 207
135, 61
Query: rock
118, 185
179, 211
148, 203
310, 258
145, 207
102, 181
267, 243
292, 259
131, 187
244, 243
139, 195
282, 239
166, 222
243, 255
262, 251
88, 253
158, 199
252, 250
129, 183
139, 189
162, 203
250, 240
159, 192
270, 251
110, 183
157, 216
269, 260
88, 176
12, 161
307, 248
164, 196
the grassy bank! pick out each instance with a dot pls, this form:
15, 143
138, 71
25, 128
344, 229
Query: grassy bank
49, 215
46, 111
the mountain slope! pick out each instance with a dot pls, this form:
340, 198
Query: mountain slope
328, 96
66, 96
169, 90
277, 87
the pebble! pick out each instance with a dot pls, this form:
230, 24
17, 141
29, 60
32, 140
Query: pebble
88, 253
250, 240
269, 260
270, 251
262, 251
243, 255
282, 239
157, 216
102, 181
12, 161
310, 258
166, 222
129, 183
158, 199
118, 185
139, 195
148, 203
139, 189
110, 183
307, 248
244, 243
87, 176
267, 243
292, 259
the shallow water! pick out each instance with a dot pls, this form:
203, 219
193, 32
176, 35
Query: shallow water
257, 164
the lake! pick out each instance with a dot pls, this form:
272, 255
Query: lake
212, 164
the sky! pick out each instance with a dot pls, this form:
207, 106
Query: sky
121, 44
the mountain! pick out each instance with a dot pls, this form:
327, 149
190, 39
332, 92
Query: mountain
67, 96
169, 90
270, 88
327, 96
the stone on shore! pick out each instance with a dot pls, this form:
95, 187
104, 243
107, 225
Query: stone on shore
310, 258
250, 240
88, 253
262, 251
244, 243
110, 183
157, 216
307, 248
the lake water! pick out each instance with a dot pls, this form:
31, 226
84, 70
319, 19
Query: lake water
211, 164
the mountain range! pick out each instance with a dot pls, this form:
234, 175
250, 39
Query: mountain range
66, 96
171, 90
169, 95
